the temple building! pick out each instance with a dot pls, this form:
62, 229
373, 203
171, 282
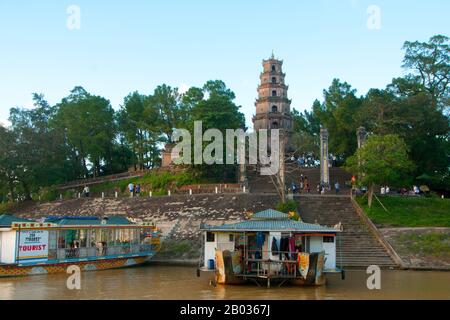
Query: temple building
273, 108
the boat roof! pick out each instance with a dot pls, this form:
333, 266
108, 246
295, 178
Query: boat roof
6, 220
88, 221
270, 220
270, 214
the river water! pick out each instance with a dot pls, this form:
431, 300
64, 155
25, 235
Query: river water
176, 282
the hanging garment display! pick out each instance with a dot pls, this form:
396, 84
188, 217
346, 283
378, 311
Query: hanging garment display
303, 264
260, 238
292, 247
274, 247
284, 247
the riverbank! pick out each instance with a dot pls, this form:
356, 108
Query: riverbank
411, 212
421, 248
180, 217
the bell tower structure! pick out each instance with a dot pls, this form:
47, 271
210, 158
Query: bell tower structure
273, 108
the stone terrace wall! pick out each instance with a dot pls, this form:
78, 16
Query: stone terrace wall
179, 216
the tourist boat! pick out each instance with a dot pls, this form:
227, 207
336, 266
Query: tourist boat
52, 245
270, 247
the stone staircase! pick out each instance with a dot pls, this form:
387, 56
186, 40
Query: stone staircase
357, 246
263, 184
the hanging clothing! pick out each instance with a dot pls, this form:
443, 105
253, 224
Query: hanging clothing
274, 247
284, 247
303, 264
260, 238
292, 247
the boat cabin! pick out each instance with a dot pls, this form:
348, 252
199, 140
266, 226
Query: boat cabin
71, 239
269, 245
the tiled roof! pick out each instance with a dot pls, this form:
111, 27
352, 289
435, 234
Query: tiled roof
270, 225
88, 221
270, 214
6, 220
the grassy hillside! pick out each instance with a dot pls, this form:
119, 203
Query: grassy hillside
409, 211
158, 183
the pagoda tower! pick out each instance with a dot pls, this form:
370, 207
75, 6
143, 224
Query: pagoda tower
273, 108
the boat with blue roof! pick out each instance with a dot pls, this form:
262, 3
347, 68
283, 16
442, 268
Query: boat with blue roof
270, 247
52, 244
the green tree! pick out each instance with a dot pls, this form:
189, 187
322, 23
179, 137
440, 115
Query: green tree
139, 121
172, 113
9, 161
89, 128
430, 66
39, 147
218, 111
383, 160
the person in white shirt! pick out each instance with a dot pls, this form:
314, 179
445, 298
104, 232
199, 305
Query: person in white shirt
86, 191
131, 189
383, 191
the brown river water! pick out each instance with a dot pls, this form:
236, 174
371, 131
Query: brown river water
180, 283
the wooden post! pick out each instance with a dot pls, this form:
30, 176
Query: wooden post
217, 191
150, 194
169, 193
103, 195
116, 194
190, 192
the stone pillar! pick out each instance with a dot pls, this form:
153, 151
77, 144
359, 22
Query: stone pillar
242, 172
324, 159
361, 135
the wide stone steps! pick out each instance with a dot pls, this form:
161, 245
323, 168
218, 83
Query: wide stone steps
356, 245
293, 173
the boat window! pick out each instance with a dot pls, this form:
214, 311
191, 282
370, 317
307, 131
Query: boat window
62, 239
328, 239
210, 237
92, 237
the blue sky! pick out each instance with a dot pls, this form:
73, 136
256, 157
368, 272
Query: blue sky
124, 46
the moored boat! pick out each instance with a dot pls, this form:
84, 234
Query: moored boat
270, 247
50, 246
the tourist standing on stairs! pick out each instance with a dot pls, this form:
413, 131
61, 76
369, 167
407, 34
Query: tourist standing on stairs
138, 190
131, 189
337, 187
322, 189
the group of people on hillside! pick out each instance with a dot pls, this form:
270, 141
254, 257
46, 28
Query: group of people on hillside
305, 161
310, 160
305, 187
134, 189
